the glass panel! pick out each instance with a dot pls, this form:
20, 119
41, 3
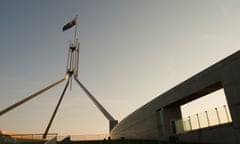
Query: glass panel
220, 115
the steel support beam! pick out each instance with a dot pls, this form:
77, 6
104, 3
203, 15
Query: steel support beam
112, 121
30, 97
56, 109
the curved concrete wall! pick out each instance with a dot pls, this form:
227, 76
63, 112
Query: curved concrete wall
141, 124
152, 121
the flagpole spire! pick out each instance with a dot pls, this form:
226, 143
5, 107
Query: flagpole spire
75, 32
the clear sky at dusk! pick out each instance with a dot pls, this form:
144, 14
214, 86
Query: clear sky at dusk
131, 52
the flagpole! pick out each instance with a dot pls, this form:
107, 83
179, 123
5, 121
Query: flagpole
76, 58
75, 33
73, 57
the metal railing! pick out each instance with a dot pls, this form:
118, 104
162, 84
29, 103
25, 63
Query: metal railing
85, 137
217, 116
14, 138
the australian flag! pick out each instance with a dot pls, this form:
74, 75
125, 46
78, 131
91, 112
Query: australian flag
70, 24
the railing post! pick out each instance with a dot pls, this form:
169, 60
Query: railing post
219, 121
190, 124
207, 118
199, 126
226, 111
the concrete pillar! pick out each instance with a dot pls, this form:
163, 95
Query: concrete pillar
170, 114
231, 85
232, 93
112, 124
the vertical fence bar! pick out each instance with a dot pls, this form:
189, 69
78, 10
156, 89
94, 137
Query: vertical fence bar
190, 124
226, 111
219, 121
207, 118
199, 126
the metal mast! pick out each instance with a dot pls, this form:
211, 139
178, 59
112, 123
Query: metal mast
71, 70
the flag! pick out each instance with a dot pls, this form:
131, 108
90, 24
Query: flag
70, 24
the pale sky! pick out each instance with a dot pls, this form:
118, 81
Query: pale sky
131, 52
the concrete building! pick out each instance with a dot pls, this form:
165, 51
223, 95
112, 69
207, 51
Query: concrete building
153, 120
